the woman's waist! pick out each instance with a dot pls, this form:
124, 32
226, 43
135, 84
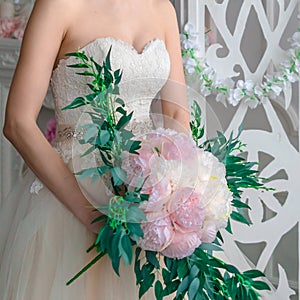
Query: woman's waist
73, 133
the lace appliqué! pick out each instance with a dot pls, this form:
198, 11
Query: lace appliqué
36, 187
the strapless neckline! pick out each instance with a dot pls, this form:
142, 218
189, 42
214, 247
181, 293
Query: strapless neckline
125, 44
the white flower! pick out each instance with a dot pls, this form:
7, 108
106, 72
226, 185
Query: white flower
209, 73
187, 44
205, 90
227, 83
276, 89
295, 39
235, 96
249, 85
213, 187
189, 64
189, 29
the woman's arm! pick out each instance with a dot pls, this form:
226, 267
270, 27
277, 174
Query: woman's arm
45, 31
174, 98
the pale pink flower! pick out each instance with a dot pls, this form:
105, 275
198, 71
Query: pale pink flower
158, 234
186, 211
159, 193
208, 233
50, 132
182, 245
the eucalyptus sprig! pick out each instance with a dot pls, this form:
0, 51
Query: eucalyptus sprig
108, 137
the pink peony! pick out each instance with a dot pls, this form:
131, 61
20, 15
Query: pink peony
182, 245
50, 132
159, 193
208, 234
186, 211
158, 234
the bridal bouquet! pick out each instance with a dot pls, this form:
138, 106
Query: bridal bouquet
172, 196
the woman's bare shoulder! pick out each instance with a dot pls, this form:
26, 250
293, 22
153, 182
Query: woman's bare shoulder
62, 7
166, 11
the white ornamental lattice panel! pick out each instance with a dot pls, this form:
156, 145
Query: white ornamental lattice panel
250, 40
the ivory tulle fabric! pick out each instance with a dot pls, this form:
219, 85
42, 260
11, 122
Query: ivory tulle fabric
42, 244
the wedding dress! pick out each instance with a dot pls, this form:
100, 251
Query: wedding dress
46, 245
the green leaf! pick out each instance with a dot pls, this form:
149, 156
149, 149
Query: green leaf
171, 287
135, 215
135, 145
232, 269
126, 249
121, 110
80, 65
86, 173
238, 217
158, 289
166, 276
137, 270
253, 273
104, 137
253, 295
240, 204
91, 132
79, 101
120, 101
152, 259
146, 284
183, 286
118, 175
183, 268
135, 231
228, 227
193, 288
260, 285
123, 121
114, 251
107, 59
193, 272
242, 293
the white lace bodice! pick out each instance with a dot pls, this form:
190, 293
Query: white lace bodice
144, 74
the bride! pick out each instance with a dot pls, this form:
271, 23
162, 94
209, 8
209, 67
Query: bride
44, 236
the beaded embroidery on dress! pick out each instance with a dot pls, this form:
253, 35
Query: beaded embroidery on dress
46, 245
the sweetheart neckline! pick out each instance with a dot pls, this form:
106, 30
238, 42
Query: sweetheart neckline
120, 41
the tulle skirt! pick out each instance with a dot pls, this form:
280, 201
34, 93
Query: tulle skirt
45, 246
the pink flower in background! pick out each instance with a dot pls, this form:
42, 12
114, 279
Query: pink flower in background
8, 26
50, 131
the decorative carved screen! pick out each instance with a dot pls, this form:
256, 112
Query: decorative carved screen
250, 39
